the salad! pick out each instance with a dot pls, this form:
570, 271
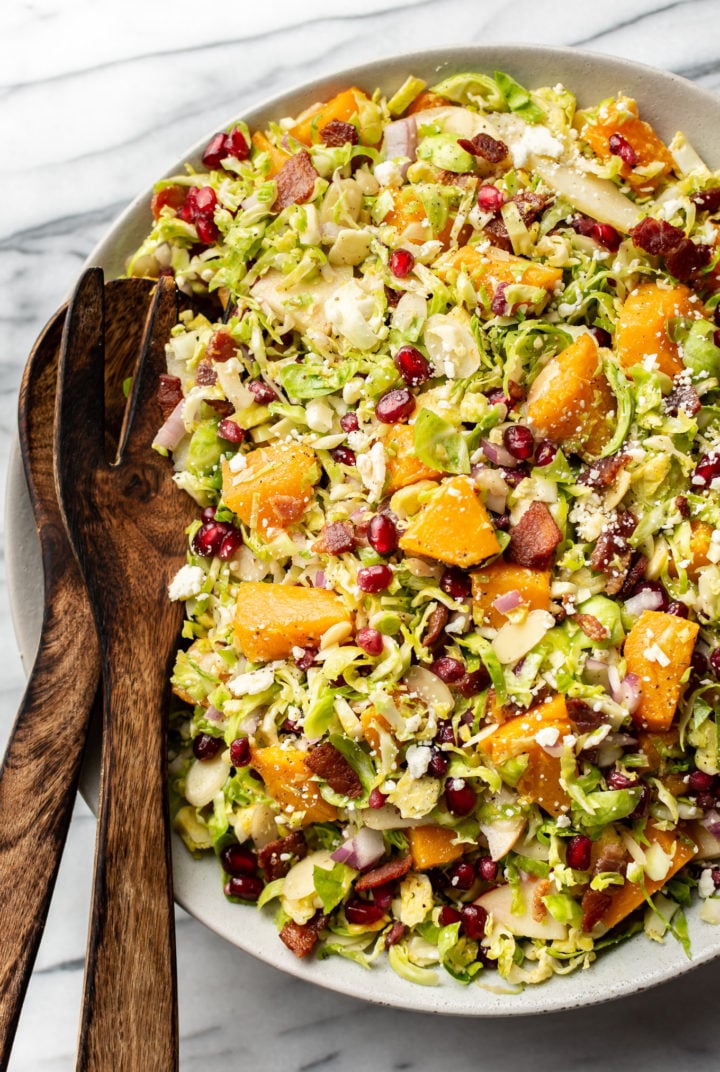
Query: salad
451, 657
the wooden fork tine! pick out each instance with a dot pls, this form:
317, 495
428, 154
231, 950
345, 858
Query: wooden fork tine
141, 416
80, 410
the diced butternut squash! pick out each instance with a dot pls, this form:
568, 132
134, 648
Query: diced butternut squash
501, 578
621, 117
289, 781
488, 268
409, 217
540, 781
425, 100
277, 155
453, 526
700, 538
372, 722
432, 846
403, 465
658, 649
344, 107
571, 401
655, 747
275, 487
642, 334
626, 898
272, 619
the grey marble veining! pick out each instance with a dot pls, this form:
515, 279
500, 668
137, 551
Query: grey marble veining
95, 99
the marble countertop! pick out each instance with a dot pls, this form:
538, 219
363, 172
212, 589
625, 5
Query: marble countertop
96, 99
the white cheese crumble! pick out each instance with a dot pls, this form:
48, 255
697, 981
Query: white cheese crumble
237, 463
389, 172
252, 683
547, 736
535, 141
706, 886
186, 583
372, 467
417, 758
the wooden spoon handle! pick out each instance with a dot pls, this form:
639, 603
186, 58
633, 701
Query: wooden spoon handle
129, 1018
38, 783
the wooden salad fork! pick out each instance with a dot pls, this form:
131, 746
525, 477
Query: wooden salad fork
125, 520
39, 774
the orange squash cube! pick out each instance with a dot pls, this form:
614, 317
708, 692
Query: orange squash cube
628, 897
571, 401
658, 649
290, 783
409, 218
427, 99
403, 465
700, 539
453, 526
432, 846
499, 578
621, 117
272, 619
488, 268
642, 327
275, 487
344, 107
277, 156
372, 722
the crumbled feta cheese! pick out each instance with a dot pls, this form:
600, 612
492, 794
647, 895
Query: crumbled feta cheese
389, 172
372, 467
237, 463
547, 736
563, 822
417, 758
186, 583
252, 683
535, 141
706, 886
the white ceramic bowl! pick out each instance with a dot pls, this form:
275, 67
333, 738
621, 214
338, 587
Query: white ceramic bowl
671, 104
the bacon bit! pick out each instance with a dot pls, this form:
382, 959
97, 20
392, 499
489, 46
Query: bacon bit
683, 397
682, 256
635, 573
688, 258
221, 406
582, 714
271, 855
395, 934
389, 872
612, 553
595, 904
169, 197
338, 133
205, 375
683, 506
169, 393
221, 347
542, 889
295, 181
301, 937
534, 538
591, 626
530, 205
707, 200
601, 473
436, 623
286, 509
336, 539
491, 149
331, 765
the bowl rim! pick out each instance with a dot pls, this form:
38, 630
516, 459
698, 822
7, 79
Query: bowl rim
197, 887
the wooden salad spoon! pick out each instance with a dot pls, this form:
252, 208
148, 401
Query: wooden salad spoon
39, 774
126, 521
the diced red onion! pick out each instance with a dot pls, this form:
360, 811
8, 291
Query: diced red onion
320, 579
597, 672
400, 139
173, 430
627, 692
497, 454
646, 599
361, 851
507, 601
213, 715
711, 822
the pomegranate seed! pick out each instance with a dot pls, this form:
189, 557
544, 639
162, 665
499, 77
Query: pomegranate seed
496, 397
349, 422
214, 152
714, 662
620, 146
374, 579
240, 752
545, 453
642, 807
238, 860
438, 765
519, 441
490, 199
470, 685
700, 782
205, 746
246, 887
460, 797
289, 725
617, 780
206, 230
448, 915
401, 262
602, 337
499, 305
445, 732
343, 455
448, 669
412, 366
236, 144
208, 513
678, 609
655, 587
383, 895
456, 583
715, 876
474, 918
231, 543
699, 662
513, 477
382, 534
462, 875
205, 201
502, 522
209, 537
578, 852
262, 392
606, 236
370, 640
487, 869
377, 799
707, 470
363, 913
395, 406
231, 431
706, 801
307, 659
